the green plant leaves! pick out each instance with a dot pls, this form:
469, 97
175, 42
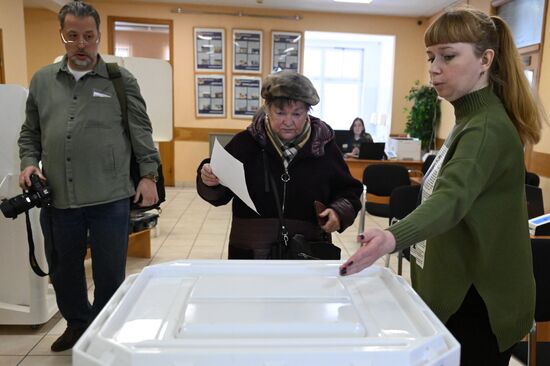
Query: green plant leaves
424, 115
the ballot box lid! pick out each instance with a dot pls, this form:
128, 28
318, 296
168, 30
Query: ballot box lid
216, 312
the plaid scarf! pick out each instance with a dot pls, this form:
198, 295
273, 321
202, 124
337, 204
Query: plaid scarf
288, 150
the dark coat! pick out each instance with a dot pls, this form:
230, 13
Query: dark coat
317, 172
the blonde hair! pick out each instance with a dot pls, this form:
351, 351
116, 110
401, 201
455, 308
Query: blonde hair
506, 75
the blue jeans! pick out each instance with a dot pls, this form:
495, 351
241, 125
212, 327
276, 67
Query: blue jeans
67, 233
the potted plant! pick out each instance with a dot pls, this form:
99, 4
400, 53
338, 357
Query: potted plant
424, 115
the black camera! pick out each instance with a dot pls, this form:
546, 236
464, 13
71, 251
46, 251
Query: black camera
37, 194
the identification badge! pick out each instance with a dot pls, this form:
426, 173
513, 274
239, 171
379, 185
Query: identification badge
418, 251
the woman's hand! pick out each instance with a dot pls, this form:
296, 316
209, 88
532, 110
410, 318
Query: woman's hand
333, 221
208, 177
374, 244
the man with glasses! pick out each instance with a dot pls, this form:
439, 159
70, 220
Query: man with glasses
74, 128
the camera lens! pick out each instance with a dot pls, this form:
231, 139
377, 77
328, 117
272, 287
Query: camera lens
7, 209
37, 195
18, 204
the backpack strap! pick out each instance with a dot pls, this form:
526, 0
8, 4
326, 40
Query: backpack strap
116, 78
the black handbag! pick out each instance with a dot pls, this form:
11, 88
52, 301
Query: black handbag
298, 247
116, 78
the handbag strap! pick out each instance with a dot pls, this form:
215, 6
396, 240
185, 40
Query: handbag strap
284, 230
116, 78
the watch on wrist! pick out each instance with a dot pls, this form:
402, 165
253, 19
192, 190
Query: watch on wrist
152, 177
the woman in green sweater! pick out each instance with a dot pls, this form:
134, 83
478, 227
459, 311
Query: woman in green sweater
471, 254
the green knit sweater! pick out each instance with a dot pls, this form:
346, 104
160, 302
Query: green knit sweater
475, 222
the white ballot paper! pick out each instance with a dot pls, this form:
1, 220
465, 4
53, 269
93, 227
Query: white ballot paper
230, 172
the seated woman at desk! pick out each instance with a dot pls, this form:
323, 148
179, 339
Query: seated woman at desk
357, 137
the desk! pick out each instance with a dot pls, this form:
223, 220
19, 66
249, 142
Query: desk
357, 166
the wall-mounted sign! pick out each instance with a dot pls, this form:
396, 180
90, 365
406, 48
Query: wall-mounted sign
210, 95
246, 96
209, 49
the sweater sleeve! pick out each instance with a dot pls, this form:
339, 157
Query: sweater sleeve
469, 168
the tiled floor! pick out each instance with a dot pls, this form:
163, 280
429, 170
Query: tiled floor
188, 228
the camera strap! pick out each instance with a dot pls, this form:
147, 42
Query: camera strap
32, 258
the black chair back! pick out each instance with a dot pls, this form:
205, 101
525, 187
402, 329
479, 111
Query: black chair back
381, 179
535, 204
541, 269
403, 201
541, 257
532, 179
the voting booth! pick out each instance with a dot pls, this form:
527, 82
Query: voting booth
25, 298
292, 313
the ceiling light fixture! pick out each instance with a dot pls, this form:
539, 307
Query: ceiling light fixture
354, 1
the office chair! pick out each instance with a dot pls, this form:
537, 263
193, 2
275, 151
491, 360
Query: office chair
532, 179
381, 180
403, 201
533, 352
535, 203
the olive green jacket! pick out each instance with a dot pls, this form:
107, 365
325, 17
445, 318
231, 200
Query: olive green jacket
75, 129
476, 222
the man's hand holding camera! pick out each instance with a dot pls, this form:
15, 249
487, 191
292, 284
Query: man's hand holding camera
25, 176
35, 194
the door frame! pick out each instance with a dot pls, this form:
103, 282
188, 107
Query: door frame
2, 74
166, 149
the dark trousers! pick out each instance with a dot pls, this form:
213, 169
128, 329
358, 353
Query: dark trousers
470, 326
66, 235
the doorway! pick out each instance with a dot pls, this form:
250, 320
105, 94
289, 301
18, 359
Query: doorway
152, 38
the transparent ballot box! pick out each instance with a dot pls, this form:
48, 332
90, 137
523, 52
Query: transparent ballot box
269, 313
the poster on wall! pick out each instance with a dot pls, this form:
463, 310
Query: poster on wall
210, 95
246, 96
247, 51
209, 49
286, 48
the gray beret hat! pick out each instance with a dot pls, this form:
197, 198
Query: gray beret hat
289, 85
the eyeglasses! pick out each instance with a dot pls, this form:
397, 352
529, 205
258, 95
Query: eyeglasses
74, 39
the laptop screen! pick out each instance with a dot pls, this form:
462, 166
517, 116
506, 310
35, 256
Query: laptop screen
341, 137
372, 150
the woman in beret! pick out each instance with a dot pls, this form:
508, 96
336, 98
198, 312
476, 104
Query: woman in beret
298, 151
